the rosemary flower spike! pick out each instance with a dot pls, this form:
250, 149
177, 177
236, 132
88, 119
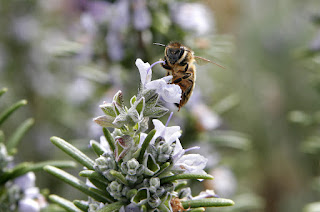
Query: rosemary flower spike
138, 168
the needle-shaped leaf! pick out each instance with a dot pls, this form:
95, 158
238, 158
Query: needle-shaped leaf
146, 144
109, 138
74, 182
16, 137
3, 91
112, 207
186, 176
65, 204
1, 137
94, 175
197, 210
96, 148
119, 176
207, 202
26, 167
5, 114
73, 152
82, 205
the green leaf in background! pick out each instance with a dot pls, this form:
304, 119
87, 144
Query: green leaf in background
5, 114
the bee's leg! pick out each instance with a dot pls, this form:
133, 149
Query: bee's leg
186, 68
165, 65
186, 75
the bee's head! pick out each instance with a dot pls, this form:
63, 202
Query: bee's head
173, 52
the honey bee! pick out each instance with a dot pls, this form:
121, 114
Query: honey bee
179, 63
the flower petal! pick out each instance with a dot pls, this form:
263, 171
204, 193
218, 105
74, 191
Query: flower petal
191, 163
144, 75
171, 93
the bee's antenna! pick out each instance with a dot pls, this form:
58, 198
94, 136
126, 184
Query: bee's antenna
159, 44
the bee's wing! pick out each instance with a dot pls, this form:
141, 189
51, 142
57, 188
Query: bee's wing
203, 61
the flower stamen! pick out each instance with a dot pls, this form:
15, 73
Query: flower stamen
160, 61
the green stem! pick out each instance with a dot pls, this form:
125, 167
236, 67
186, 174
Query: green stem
73, 152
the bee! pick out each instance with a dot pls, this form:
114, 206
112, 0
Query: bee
179, 63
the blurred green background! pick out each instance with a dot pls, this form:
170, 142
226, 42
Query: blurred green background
257, 120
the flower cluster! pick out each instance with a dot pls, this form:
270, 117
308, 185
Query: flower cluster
138, 171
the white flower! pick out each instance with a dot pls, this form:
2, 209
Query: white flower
205, 194
168, 92
169, 134
105, 145
142, 137
178, 151
191, 163
144, 74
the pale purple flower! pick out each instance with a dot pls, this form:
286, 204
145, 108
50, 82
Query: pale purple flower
29, 205
224, 182
89, 23
130, 208
193, 17
115, 45
208, 119
141, 15
26, 181
120, 18
100, 11
32, 200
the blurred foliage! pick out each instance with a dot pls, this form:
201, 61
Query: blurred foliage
269, 91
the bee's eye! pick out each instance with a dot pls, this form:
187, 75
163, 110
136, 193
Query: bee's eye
175, 51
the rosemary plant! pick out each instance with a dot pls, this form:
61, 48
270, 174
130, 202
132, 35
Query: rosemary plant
134, 170
17, 181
